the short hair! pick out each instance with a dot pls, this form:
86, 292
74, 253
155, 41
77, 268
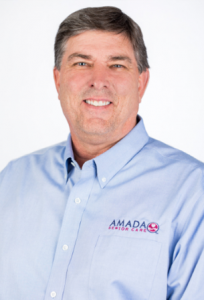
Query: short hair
105, 18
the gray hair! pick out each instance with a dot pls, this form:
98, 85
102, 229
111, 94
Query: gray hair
106, 18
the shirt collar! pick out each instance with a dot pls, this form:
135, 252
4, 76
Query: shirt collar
114, 159
68, 158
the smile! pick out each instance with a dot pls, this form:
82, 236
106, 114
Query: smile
97, 103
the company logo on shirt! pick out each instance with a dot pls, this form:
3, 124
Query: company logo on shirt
152, 227
135, 225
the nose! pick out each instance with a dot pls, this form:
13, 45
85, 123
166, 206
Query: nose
99, 78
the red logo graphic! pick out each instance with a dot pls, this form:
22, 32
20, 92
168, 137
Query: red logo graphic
152, 227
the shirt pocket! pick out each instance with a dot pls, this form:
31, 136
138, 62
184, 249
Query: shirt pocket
123, 268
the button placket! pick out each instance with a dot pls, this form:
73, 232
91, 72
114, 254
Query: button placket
79, 191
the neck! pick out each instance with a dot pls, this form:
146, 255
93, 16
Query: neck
84, 152
86, 147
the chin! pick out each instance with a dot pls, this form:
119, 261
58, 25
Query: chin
96, 128
96, 131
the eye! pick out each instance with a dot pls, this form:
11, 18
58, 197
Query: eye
118, 66
81, 63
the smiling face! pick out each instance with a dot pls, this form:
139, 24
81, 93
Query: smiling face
99, 86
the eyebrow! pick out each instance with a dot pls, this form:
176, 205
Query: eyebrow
110, 58
79, 55
120, 57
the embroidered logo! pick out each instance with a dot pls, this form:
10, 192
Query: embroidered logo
152, 227
139, 226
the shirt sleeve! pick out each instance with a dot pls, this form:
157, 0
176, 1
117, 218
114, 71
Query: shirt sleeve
186, 273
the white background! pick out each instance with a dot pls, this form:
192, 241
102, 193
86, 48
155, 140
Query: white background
173, 105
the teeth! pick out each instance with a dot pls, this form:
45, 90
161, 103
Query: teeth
97, 103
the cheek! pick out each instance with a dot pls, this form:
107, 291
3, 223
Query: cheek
76, 80
72, 84
127, 86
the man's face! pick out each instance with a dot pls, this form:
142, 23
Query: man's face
99, 85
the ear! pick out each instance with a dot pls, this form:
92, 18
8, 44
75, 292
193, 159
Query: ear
56, 74
142, 83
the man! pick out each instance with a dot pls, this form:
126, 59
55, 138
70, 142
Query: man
111, 213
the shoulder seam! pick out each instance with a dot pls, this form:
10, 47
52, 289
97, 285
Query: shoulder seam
196, 161
38, 152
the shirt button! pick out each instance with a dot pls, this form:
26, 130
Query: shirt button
65, 247
77, 200
53, 294
104, 179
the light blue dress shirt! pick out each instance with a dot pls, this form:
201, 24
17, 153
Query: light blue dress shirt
127, 226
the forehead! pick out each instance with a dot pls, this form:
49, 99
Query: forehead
100, 41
